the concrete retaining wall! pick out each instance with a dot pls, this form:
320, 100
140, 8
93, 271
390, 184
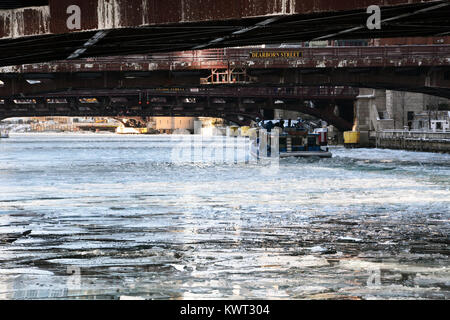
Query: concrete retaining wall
416, 141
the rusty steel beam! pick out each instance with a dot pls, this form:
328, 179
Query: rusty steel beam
305, 93
129, 13
141, 103
424, 69
111, 14
430, 80
109, 27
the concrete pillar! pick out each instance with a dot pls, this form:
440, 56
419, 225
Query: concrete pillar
286, 114
373, 110
362, 109
370, 107
198, 127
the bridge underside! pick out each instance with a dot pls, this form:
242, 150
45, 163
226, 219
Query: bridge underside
236, 107
433, 80
428, 80
111, 28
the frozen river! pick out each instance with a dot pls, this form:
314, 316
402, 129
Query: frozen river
114, 216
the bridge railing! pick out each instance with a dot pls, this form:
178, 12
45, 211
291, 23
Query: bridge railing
405, 134
263, 92
308, 53
294, 92
376, 55
222, 58
381, 51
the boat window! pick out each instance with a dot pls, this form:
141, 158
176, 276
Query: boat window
297, 141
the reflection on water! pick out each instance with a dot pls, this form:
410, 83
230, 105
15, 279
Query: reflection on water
112, 216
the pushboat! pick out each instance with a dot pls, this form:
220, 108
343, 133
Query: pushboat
293, 141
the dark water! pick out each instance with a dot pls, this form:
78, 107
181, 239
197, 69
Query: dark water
113, 216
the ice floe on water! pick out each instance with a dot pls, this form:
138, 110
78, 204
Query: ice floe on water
113, 217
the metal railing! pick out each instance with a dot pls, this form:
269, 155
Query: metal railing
288, 92
413, 134
420, 55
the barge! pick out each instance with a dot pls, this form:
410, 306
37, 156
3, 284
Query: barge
273, 141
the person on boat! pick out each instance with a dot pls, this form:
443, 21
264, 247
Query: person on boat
269, 126
279, 124
299, 124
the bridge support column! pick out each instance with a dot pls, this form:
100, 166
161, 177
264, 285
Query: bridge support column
369, 106
286, 114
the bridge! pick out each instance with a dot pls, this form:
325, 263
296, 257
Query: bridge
423, 69
133, 85
44, 30
239, 105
